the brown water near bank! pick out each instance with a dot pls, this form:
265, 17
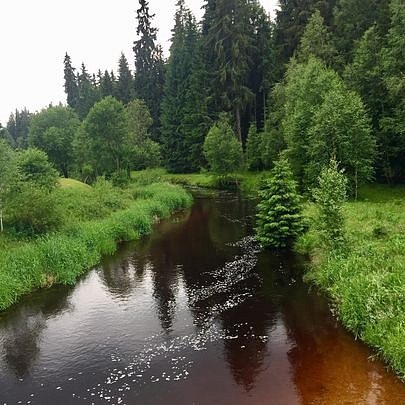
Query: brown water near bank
192, 314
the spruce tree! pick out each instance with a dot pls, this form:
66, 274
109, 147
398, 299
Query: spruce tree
279, 220
149, 65
71, 85
178, 111
88, 92
125, 85
106, 85
229, 38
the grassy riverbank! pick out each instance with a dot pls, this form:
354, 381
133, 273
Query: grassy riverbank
366, 283
95, 221
248, 182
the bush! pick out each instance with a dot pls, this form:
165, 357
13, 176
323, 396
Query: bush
330, 196
279, 219
34, 210
222, 149
34, 167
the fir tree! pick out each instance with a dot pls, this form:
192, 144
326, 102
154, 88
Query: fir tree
18, 127
149, 65
71, 85
229, 38
176, 134
106, 85
279, 220
88, 93
125, 86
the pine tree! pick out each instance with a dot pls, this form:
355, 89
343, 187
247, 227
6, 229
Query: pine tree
229, 38
177, 134
125, 85
106, 85
149, 65
88, 93
71, 85
18, 128
279, 220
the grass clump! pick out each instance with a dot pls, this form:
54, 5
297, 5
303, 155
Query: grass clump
60, 258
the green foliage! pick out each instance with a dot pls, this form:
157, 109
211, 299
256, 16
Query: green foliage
254, 149
125, 83
33, 210
142, 152
279, 220
323, 119
18, 127
149, 66
105, 134
222, 149
316, 41
34, 167
62, 257
366, 283
330, 197
52, 130
8, 175
184, 112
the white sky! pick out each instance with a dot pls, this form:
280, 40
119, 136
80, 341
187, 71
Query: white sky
35, 34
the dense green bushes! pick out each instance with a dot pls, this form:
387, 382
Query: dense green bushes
62, 257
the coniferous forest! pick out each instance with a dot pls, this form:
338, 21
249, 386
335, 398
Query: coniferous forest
304, 111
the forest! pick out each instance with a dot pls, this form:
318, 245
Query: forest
308, 106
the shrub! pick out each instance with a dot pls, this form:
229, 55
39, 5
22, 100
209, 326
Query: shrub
330, 196
279, 219
222, 149
34, 167
254, 149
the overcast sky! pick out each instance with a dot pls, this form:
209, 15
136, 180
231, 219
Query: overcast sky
35, 34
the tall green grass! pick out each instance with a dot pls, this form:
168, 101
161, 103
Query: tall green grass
367, 280
60, 258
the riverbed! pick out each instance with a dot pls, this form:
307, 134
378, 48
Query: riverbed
192, 314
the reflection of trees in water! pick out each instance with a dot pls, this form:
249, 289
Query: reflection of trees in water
21, 328
119, 277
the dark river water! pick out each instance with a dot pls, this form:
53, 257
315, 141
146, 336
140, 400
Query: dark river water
193, 314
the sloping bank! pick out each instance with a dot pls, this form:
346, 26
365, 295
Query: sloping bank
366, 283
61, 258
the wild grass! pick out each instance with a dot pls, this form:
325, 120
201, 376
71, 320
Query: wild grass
366, 281
248, 182
60, 258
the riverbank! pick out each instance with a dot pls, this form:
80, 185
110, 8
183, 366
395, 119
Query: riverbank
61, 257
366, 283
247, 182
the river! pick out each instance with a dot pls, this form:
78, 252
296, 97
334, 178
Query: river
192, 314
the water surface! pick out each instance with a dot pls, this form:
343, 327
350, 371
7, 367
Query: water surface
193, 314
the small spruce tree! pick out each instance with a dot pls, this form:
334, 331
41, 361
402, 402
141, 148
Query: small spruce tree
329, 197
279, 221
